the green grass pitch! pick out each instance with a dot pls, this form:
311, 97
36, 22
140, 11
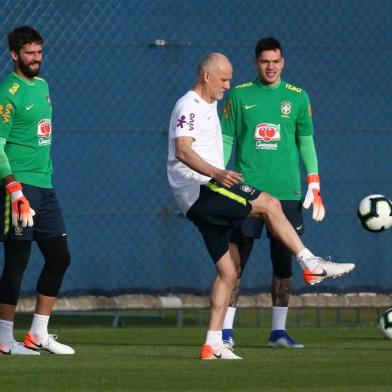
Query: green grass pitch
165, 359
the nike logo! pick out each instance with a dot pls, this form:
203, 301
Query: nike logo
5, 352
324, 273
249, 106
28, 107
31, 344
298, 227
217, 356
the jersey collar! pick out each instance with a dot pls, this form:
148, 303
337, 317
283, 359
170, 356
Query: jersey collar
24, 80
265, 87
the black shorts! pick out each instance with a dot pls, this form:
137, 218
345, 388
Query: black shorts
215, 211
281, 257
253, 227
48, 219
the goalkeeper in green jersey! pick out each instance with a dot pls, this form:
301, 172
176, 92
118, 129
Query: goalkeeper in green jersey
270, 122
29, 209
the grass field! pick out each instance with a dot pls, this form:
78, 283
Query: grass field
165, 359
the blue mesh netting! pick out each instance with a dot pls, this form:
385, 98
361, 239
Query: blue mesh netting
113, 91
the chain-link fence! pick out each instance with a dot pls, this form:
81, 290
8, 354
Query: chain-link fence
116, 68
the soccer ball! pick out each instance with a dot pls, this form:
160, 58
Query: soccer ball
375, 213
385, 323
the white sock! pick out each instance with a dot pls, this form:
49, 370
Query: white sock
39, 326
6, 332
214, 339
306, 259
279, 315
229, 318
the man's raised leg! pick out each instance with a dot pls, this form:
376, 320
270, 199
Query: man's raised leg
315, 269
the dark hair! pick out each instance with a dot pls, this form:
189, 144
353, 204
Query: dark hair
21, 36
269, 43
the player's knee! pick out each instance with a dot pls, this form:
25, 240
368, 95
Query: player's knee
266, 206
272, 206
64, 261
53, 273
230, 276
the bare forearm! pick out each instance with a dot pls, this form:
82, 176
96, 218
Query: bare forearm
193, 160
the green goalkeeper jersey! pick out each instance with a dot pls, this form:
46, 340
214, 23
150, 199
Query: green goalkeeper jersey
26, 123
266, 123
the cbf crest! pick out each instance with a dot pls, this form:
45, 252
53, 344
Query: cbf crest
285, 108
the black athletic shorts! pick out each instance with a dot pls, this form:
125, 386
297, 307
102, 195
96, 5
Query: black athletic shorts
215, 211
48, 219
281, 257
253, 227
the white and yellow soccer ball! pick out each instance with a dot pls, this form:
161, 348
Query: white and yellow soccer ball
385, 323
375, 213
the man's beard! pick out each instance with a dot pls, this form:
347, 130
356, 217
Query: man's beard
27, 71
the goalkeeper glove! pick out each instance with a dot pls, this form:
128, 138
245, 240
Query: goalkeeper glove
22, 214
313, 196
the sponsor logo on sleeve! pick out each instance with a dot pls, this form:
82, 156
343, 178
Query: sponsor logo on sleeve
5, 113
189, 123
44, 132
180, 122
226, 110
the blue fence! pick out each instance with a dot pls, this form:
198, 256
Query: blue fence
113, 86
